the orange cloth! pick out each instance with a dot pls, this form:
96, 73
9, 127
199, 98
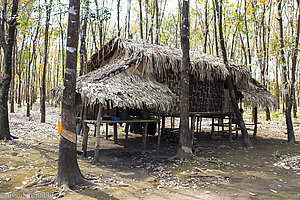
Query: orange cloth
59, 127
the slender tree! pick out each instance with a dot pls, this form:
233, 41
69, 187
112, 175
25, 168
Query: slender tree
288, 117
246, 138
185, 141
43, 89
141, 18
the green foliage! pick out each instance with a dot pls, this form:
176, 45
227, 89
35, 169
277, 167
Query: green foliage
277, 154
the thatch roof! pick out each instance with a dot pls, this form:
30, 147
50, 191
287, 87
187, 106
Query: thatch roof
115, 85
155, 60
257, 95
121, 74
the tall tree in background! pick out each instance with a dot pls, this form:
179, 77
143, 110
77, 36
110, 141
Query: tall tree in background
43, 89
289, 101
246, 138
141, 18
83, 51
185, 141
68, 172
7, 45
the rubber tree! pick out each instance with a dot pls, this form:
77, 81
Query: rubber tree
185, 140
7, 45
68, 172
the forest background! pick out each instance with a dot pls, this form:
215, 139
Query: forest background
252, 32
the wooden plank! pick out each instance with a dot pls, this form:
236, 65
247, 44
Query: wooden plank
121, 121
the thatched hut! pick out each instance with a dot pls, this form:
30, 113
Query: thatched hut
129, 75
208, 90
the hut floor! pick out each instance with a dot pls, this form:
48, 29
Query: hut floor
219, 170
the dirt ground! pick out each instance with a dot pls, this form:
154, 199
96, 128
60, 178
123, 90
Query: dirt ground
219, 170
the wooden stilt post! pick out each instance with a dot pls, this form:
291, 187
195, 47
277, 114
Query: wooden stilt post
255, 122
144, 139
213, 127
200, 126
106, 131
97, 143
197, 125
115, 133
230, 127
126, 131
163, 122
193, 128
85, 130
158, 134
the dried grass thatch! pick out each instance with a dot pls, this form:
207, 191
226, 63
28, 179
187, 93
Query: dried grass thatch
121, 74
256, 95
114, 86
156, 60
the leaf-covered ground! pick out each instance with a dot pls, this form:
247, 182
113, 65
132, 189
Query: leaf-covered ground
219, 170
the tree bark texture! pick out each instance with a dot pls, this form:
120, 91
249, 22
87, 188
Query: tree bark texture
68, 172
185, 141
5, 79
288, 117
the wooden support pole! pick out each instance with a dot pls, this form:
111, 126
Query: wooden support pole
213, 127
200, 126
163, 122
172, 123
106, 132
255, 122
85, 130
115, 133
197, 125
144, 133
158, 134
230, 127
193, 128
126, 131
97, 143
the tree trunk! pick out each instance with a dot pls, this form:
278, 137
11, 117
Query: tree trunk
118, 18
6, 77
246, 138
68, 172
12, 94
206, 25
43, 89
83, 51
288, 100
146, 7
128, 18
185, 141
215, 28
157, 22
28, 70
141, 19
